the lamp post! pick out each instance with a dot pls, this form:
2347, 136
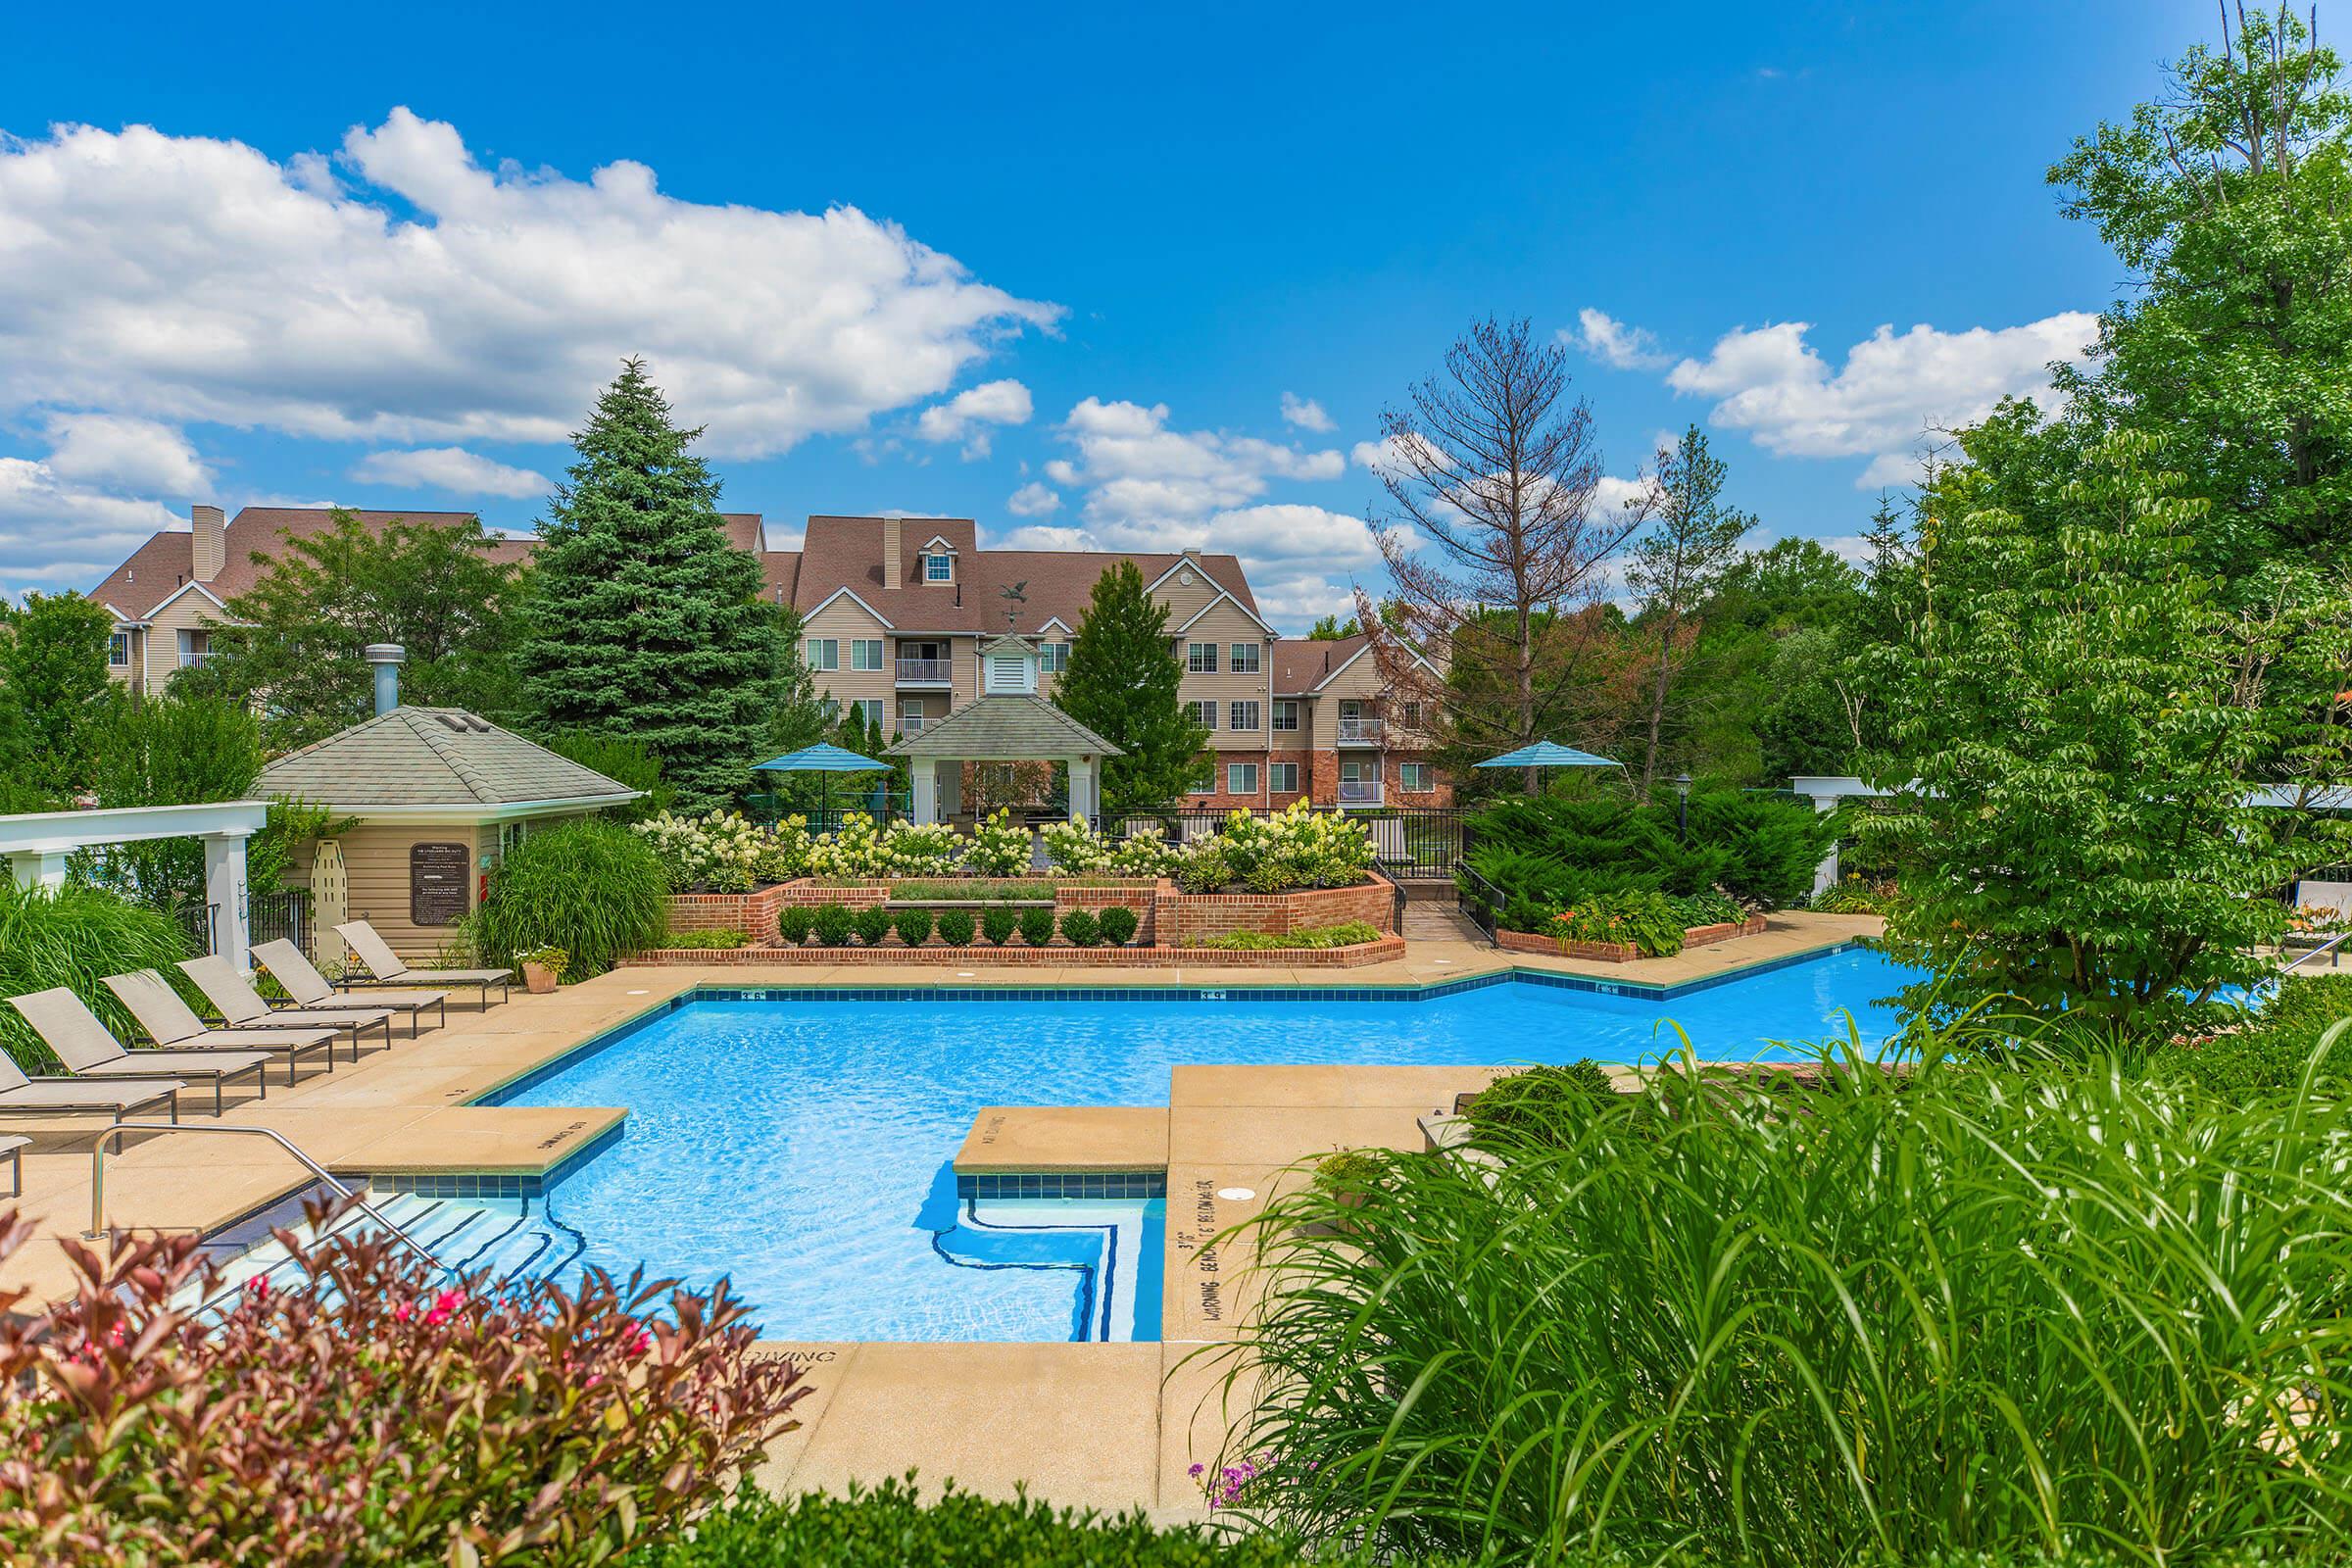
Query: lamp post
1682, 803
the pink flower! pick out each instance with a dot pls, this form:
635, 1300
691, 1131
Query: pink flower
1196, 1470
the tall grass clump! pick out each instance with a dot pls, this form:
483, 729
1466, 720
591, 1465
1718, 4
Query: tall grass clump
74, 937
593, 888
1862, 1320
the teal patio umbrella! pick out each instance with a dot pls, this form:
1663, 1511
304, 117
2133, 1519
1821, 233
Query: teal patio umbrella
1546, 754
823, 760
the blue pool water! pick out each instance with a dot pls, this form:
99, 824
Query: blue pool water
801, 1147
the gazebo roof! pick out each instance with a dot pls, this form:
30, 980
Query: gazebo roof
413, 758
1006, 729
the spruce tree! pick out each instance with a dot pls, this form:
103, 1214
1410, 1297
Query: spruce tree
1121, 683
645, 621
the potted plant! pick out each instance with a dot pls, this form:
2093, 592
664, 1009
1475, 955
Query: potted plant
543, 969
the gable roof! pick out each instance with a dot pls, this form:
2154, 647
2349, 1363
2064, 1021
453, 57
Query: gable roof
164, 564
1302, 664
416, 757
1006, 729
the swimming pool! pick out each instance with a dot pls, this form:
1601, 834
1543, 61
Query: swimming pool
801, 1147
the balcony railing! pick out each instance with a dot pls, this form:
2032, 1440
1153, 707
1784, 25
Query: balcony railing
1359, 792
926, 672
913, 723
1360, 732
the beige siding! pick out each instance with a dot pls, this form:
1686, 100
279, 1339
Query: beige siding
1184, 599
190, 611
1359, 681
376, 859
845, 621
1224, 624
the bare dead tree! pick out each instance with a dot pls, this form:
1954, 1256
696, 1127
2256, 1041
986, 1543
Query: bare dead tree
1494, 542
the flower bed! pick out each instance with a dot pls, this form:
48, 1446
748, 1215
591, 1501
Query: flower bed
1697, 936
1058, 956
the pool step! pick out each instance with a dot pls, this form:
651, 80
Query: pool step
513, 1247
1111, 1248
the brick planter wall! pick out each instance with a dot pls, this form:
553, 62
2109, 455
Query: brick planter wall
1697, 936
1190, 916
754, 912
1057, 955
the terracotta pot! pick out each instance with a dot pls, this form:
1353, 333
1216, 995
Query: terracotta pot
537, 978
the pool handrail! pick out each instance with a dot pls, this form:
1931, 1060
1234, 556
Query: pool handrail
98, 1176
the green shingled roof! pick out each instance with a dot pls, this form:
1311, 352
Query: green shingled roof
1006, 729
416, 757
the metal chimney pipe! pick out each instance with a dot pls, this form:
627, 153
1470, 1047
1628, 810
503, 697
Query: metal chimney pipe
387, 658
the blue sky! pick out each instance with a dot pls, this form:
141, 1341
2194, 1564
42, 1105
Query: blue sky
940, 259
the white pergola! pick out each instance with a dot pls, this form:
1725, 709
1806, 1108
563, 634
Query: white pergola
38, 844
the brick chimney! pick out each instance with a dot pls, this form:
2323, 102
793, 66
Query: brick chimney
894, 549
209, 551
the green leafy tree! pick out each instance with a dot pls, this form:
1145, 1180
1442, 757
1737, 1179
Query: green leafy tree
2227, 199
1691, 538
1331, 629
53, 680
295, 641
623, 760
1122, 684
2084, 714
644, 621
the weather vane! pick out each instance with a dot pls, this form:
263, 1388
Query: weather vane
1014, 597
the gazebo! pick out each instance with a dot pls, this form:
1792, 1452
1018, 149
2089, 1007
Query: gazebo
1009, 724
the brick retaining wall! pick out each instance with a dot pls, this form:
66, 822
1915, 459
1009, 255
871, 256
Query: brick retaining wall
1190, 916
1025, 958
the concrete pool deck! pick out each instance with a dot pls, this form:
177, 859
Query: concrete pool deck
1109, 1426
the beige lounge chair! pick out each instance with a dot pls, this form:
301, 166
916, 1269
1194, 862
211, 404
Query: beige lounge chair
242, 1008
309, 988
47, 1096
12, 1149
170, 1021
387, 968
90, 1050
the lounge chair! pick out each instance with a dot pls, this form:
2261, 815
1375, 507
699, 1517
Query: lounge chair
242, 1008
90, 1050
170, 1021
12, 1149
41, 1097
387, 968
310, 988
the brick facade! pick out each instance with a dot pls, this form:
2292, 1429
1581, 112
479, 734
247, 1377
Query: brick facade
1191, 916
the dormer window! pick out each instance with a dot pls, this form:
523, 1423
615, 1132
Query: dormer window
1009, 669
938, 568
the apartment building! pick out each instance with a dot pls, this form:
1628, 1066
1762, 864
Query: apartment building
894, 611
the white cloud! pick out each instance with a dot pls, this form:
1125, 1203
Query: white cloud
119, 452
1043, 536
406, 293
967, 415
55, 534
1772, 384
1034, 500
1307, 414
1138, 472
1613, 343
450, 468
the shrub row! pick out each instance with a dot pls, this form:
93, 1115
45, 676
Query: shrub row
833, 925
1346, 934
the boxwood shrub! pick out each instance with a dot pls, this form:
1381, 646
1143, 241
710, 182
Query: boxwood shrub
1079, 926
793, 922
833, 923
873, 925
955, 928
913, 926
999, 924
1117, 925
1037, 927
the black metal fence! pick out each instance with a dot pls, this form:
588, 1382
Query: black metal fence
285, 912
1479, 900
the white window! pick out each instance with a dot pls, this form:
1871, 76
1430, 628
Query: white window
1415, 776
1241, 778
1244, 661
868, 709
1204, 714
865, 652
1201, 658
1282, 777
1244, 715
1054, 657
823, 652
938, 568
1286, 715
118, 650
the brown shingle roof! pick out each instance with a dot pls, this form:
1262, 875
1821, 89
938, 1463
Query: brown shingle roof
1005, 729
413, 756
847, 553
1300, 663
160, 567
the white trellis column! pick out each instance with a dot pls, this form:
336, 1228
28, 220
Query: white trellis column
224, 890
924, 777
1086, 795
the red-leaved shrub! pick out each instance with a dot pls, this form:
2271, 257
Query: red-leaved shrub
383, 1412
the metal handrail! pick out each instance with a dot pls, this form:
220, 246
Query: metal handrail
98, 1174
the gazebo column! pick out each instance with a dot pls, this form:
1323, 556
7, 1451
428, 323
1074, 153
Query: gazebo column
950, 788
39, 868
923, 776
225, 890
1086, 796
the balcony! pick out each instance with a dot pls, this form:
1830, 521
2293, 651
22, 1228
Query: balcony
913, 723
926, 672
1359, 792
1360, 732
